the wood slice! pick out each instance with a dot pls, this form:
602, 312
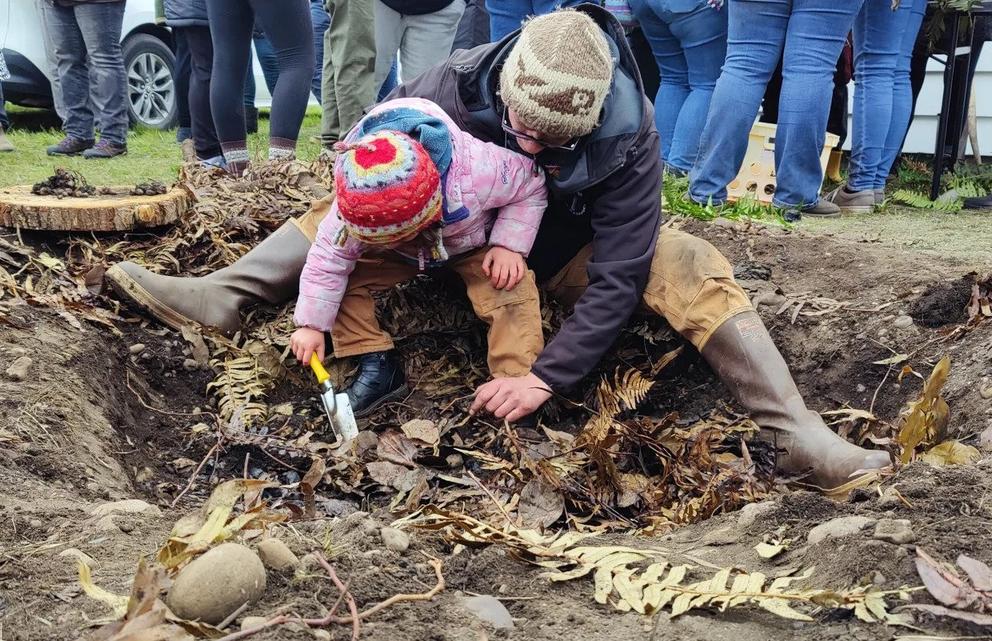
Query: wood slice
118, 212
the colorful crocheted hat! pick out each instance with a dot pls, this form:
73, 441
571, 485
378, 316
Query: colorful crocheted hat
387, 188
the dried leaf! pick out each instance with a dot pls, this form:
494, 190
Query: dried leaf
422, 430
963, 615
116, 602
770, 550
385, 473
951, 453
979, 573
940, 583
926, 418
201, 354
395, 447
892, 360
541, 504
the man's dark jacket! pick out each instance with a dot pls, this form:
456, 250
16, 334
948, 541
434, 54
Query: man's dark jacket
606, 192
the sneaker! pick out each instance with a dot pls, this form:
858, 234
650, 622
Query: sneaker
104, 149
822, 209
183, 134
852, 202
380, 380
70, 146
215, 161
5, 144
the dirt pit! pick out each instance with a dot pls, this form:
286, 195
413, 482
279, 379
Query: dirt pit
97, 418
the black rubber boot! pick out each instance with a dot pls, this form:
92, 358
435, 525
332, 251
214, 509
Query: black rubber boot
380, 380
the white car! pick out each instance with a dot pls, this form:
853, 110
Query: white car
148, 60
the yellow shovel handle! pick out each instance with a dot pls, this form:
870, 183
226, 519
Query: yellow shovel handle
318, 369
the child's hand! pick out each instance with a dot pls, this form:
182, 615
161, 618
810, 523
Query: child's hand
505, 268
306, 341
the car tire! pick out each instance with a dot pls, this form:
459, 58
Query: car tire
151, 89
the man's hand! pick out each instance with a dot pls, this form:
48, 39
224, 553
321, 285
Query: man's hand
511, 398
505, 268
306, 341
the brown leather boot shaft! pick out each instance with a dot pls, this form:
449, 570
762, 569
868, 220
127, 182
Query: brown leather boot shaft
743, 355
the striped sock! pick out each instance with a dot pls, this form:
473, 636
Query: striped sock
236, 155
281, 148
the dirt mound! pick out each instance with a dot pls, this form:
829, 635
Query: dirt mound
944, 304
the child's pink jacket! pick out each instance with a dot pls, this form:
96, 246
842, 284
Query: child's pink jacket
501, 189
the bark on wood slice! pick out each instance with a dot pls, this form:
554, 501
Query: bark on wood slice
123, 212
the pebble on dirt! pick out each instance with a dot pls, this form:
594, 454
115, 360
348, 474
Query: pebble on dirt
838, 528
277, 556
903, 321
753, 512
18, 370
136, 349
248, 623
395, 540
896, 531
217, 583
488, 609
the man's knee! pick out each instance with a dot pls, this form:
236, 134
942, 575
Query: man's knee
692, 285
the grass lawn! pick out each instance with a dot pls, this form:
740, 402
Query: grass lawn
152, 154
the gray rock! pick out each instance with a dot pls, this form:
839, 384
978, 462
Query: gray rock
395, 540
488, 609
902, 321
838, 528
127, 506
753, 512
18, 370
277, 556
248, 623
189, 365
889, 499
898, 531
216, 584
137, 348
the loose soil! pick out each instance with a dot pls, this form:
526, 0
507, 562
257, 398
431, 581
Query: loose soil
94, 422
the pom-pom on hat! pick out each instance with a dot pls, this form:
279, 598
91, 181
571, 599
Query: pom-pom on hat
387, 187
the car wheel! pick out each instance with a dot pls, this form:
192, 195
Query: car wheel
151, 87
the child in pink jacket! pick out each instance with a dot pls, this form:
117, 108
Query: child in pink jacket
413, 192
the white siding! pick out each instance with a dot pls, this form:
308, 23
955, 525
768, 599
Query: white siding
923, 132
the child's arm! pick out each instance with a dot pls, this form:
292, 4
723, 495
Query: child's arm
517, 190
325, 275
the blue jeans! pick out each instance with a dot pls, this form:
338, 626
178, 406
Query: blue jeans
878, 35
902, 93
689, 41
807, 35
321, 23
391, 82
505, 16
87, 39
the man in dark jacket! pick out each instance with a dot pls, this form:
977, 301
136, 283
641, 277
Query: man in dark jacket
566, 90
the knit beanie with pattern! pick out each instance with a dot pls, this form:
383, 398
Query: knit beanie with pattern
388, 188
558, 74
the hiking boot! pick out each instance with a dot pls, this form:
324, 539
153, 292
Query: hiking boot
70, 146
105, 149
852, 202
380, 380
743, 355
822, 209
5, 144
980, 202
269, 273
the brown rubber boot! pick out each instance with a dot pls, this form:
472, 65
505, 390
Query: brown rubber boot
269, 273
744, 357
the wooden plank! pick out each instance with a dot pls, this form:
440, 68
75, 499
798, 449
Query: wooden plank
118, 212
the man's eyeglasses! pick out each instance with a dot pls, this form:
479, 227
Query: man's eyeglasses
569, 145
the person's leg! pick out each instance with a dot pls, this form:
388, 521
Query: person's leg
703, 38
100, 25
267, 59
321, 21
674, 72
5, 144
391, 82
349, 65
755, 38
692, 286
878, 32
427, 39
473, 28
287, 26
388, 35
202, 60
45, 8
353, 47
514, 317
814, 39
182, 81
505, 16
231, 23
902, 96
74, 76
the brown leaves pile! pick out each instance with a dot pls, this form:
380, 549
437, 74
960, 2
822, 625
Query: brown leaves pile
967, 599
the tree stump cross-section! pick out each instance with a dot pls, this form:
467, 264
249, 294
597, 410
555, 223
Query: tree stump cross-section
119, 211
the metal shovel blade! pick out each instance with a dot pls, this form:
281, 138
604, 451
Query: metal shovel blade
339, 413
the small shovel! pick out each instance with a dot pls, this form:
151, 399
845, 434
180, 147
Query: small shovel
337, 406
